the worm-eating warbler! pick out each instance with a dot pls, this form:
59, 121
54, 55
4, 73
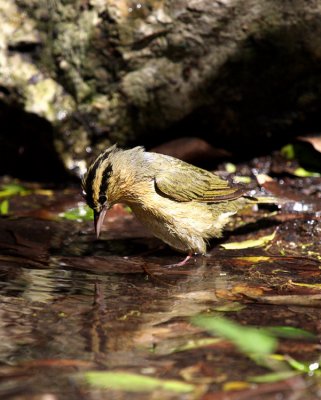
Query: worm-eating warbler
179, 203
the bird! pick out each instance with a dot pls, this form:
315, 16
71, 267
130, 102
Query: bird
179, 203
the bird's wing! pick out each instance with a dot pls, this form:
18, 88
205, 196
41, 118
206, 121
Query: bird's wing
186, 183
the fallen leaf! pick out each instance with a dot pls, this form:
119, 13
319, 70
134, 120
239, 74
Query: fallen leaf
80, 213
253, 259
230, 167
289, 332
197, 343
303, 173
292, 299
307, 285
129, 382
262, 241
242, 179
297, 365
288, 152
272, 377
4, 207
247, 339
12, 189
253, 291
236, 385
44, 192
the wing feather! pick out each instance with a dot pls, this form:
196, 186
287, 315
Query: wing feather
186, 183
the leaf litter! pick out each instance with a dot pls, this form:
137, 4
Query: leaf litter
107, 316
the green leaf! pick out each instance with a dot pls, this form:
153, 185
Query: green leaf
80, 213
289, 332
128, 209
297, 365
4, 207
272, 377
242, 179
303, 173
197, 343
130, 382
288, 152
262, 241
230, 168
12, 189
249, 340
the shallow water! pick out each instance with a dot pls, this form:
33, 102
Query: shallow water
72, 304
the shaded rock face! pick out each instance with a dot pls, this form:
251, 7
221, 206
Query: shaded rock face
233, 72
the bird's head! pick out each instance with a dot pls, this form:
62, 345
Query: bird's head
95, 186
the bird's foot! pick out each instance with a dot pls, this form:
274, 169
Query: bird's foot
181, 263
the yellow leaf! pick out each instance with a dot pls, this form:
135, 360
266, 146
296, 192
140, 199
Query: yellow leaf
308, 285
236, 385
262, 241
248, 290
301, 172
253, 259
242, 179
44, 192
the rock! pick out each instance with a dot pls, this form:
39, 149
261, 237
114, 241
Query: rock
242, 74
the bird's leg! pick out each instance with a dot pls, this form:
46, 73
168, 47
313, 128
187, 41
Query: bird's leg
180, 264
188, 257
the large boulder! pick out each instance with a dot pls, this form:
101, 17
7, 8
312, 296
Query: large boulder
238, 73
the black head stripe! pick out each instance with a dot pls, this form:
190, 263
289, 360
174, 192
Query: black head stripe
104, 183
91, 175
88, 185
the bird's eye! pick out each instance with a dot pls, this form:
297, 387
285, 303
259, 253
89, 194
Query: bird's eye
102, 199
84, 194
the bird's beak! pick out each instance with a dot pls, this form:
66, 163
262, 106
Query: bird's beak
99, 219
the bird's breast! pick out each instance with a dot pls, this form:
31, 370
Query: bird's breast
180, 224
